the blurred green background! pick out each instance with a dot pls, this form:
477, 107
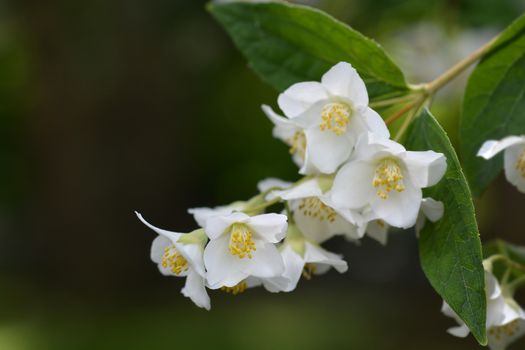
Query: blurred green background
107, 107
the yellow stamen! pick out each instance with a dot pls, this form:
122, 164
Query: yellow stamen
335, 117
298, 144
313, 207
388, 177
236, 289
174, 260
520, 164
508, 330
241, 241
309, 270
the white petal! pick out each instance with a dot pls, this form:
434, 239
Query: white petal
272, 182
266, 262
284, 128
157, 248
460, 331
301, 96
492, 147
371, 146
316, 254
512, 172
201, 215
305, 189
378, 230
270, 227
400, 209
376, 124
342, 80
195, 290
217, 225
193, 253
425, 168
173, 236
223, 269
352, 186
293, 268
432, 209
327, 150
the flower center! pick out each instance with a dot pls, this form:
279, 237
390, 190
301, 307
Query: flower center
241, 242
335, 117
309, 270
298, 144
520, 164
236, 289
508, 330
315, 208
388, 177
173, 259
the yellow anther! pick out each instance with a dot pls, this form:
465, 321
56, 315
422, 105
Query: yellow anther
298, 144
309, 270
241, 241
335, 117
236, 289
174, 260
520, 164
508, 330
388, 177
315, 208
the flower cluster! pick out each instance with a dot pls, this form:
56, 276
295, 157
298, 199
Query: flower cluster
356, 182
505, 318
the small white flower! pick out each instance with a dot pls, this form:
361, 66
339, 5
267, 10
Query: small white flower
324, 119
302, 258
505, 318
386, 179
181, 255
514, 158
313, 211
241, 246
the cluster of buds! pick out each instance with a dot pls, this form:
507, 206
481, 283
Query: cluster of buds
356, 182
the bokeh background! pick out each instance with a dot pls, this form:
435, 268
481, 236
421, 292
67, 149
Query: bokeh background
107, 107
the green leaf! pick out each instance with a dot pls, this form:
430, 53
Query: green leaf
494, 104
286, 44
450, 249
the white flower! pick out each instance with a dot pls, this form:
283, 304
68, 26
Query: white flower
324, 120
181, 255
241, 246
505, 318
313, 211
386, 179
514, 158
302, 258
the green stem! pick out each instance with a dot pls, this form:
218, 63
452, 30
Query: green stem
391, 101
458, 68
263, 205
413, 112
518, 282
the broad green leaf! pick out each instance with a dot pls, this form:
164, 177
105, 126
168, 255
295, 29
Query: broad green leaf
450, 249
286, 44
494, 104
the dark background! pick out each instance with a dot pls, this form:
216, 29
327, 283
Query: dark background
107, 107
